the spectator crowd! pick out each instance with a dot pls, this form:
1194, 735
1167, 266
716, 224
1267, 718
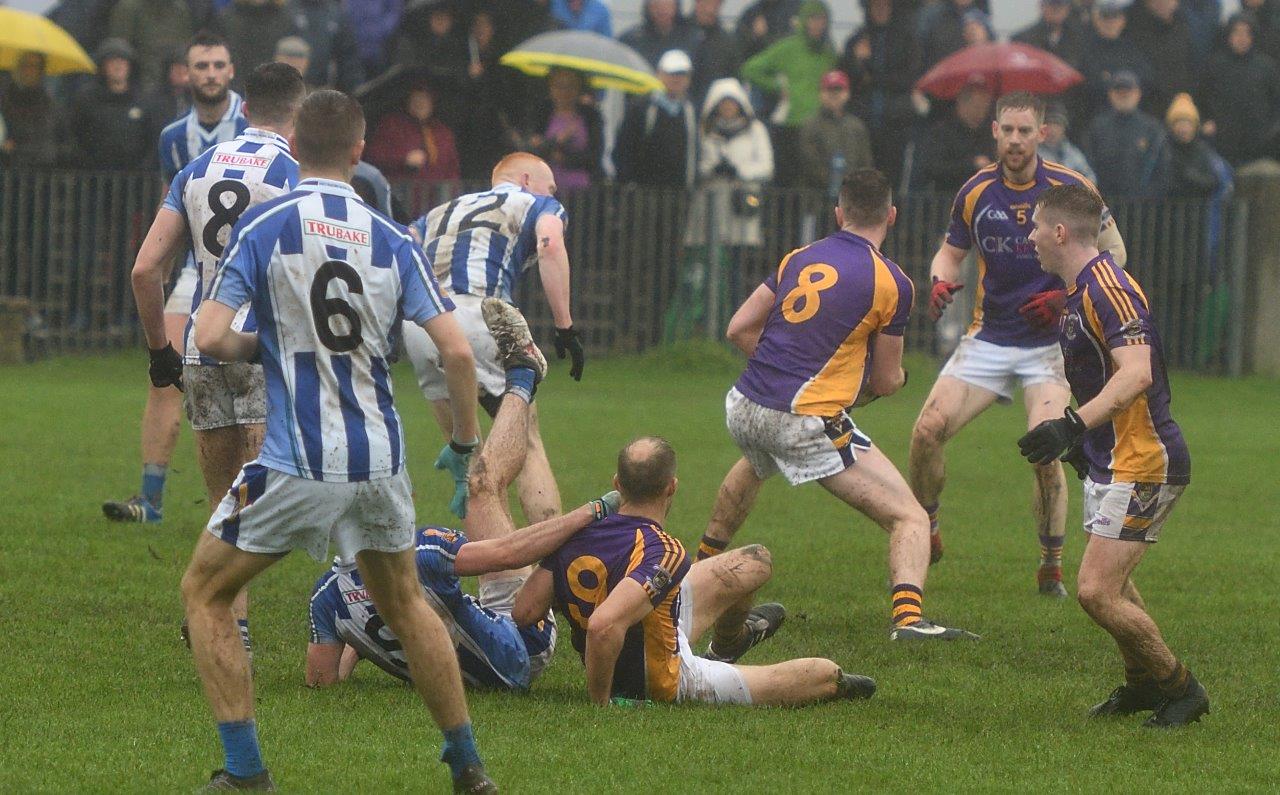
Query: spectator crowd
1173, 99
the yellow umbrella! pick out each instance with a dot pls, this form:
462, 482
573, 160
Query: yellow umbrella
22, 32
608, 63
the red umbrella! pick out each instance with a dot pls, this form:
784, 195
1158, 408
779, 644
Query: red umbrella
1003, 68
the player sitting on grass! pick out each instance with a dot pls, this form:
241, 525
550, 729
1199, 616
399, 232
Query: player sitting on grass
1123, 442
635, 605
492, 651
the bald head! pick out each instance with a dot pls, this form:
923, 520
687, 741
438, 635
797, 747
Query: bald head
526, 170
646, 469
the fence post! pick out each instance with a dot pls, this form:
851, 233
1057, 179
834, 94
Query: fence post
714, 228
1237, 275
1261, 329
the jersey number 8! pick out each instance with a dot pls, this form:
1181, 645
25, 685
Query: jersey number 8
223, 216
810, 283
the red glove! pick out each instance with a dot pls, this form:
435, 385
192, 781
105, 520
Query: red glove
940, 296
1044, 309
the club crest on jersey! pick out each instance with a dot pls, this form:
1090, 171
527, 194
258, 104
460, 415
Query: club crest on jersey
660, 580
240, 160
342, 234
1132, 330
1070, 326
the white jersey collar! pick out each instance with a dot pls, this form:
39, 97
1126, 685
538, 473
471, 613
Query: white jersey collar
332, 186
261, 136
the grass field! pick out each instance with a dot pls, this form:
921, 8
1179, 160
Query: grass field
98, 693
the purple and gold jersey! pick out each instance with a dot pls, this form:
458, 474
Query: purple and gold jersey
830, 298
995, 216
1106, 309
587, 569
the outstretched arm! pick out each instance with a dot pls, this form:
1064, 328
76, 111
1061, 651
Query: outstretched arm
522, 548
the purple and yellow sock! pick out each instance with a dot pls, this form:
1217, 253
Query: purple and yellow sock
907, 604
1051, 552
709, 547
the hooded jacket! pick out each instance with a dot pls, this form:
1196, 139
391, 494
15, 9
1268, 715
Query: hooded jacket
748, 152
796, 63
113, 131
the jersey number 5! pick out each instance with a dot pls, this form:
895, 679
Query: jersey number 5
324, 308
805, 298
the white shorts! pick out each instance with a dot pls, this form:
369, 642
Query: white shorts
1128, 511
801, 447
271, 513
707, 681
223, 395
1001, 368
184, 290
425, 358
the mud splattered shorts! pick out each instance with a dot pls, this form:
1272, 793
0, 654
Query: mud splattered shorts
801, 447
271, 513
222, 395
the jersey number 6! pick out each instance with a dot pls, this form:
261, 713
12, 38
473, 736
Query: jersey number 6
323, 308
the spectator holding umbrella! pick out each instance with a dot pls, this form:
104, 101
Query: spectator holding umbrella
567, 131
30, 115
1127, 147
414, 143
1240, 96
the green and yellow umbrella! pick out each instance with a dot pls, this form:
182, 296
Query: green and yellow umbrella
606, 62
22, 32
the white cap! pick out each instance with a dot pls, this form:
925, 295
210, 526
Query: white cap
675, 62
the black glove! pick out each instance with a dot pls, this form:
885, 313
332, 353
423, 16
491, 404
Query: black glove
166, 367
725, 169
1075, 457
1052, 438
568, 341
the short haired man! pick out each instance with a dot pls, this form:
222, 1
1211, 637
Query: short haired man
1011, 342
823, 333
226, 403
480, 243
329, 279
1124, 443
635, 605
216, 116
492, 651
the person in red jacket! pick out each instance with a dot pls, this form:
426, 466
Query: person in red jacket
413, 143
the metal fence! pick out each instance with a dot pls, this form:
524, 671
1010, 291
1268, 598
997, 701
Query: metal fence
643, 273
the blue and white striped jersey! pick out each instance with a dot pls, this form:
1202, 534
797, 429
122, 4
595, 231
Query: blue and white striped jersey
185, 139
330, 279
480, 243
213, 191
492, 651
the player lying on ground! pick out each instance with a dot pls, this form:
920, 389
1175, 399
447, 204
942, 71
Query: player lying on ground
226, 402
635, 605
1123, 442
1011, 341
824, 334
480, 244
329, 279
492, 651
216, 117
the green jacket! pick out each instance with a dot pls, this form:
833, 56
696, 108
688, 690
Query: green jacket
802, 65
